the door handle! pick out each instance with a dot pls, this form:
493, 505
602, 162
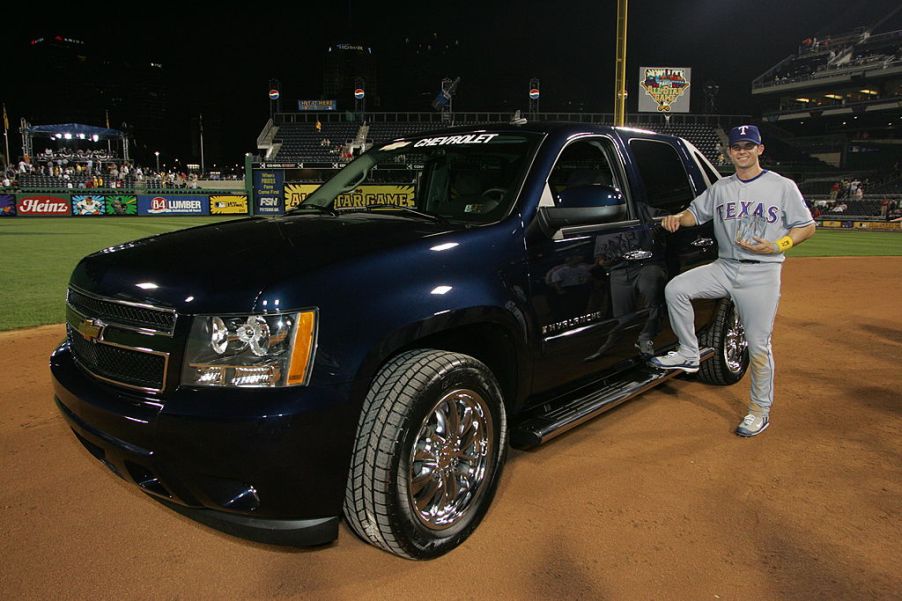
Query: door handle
637, 255
702, 242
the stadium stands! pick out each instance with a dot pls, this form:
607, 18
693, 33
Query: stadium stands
301, 142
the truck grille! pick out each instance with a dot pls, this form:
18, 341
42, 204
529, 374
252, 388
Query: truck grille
102, 336
129, 315
119, 365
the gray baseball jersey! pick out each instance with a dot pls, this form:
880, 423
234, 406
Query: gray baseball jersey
767, 206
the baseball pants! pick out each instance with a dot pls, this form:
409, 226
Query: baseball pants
755, 290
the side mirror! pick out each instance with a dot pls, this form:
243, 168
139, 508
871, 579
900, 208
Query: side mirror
583, 205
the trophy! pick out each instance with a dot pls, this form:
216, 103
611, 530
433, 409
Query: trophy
751, 227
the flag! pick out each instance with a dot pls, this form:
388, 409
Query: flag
5, 118
107, 119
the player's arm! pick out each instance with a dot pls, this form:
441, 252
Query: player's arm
684, 218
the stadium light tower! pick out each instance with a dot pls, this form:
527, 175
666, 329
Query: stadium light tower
157, 154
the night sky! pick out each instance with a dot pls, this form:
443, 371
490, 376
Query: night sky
225, 59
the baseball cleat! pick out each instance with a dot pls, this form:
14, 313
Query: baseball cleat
674, 360
752, 425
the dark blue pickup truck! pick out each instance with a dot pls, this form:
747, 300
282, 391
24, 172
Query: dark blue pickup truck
373, 352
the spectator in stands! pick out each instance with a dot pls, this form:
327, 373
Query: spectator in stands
844, 189
834, 190
318, 126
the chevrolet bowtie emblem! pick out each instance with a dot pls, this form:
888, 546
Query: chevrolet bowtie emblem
89, 329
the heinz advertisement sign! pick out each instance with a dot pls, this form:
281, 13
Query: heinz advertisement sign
40, 204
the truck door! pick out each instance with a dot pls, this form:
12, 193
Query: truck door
670, 179
588, 283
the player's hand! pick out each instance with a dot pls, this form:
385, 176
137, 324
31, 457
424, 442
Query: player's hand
671, 223
759, 246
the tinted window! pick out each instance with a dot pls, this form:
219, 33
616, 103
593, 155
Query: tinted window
666, 182
583, 163
713, 176
468, 177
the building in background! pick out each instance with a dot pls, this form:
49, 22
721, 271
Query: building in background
343, 64
66, 79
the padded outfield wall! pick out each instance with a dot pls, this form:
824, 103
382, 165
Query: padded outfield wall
123, 202
279, 187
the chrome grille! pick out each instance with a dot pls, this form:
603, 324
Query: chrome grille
118, 341
119, 365
122, 313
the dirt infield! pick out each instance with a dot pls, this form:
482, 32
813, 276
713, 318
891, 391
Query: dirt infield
655, 500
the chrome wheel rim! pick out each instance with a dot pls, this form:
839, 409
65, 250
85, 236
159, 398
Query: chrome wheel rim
734, 344
451, 459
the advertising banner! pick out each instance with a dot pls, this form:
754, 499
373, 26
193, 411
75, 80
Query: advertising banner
121, 205
88, 204
268, 190
228, 205
43, 204
173, 204
362, 196
316, 105
7, 205
664, 89
886, 226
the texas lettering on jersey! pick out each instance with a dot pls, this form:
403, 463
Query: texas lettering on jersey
738, 210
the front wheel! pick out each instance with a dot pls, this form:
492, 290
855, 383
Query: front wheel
731, 354
430, 446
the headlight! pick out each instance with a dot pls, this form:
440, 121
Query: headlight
250, 350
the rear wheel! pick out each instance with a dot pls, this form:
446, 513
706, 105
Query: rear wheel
727, 337
428, 455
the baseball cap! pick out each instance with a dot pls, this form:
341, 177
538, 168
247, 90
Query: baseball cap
745, 133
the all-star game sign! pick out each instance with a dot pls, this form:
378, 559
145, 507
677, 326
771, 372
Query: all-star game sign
664, 89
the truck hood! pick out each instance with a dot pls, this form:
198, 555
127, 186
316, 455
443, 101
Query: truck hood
224, 267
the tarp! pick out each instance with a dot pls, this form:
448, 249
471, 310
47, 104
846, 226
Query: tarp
75, 129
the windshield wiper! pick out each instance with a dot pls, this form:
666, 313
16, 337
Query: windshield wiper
408, 210
318, 208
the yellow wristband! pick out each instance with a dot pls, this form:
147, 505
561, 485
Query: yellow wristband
784, 244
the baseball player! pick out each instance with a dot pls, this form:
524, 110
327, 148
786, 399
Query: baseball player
758, 215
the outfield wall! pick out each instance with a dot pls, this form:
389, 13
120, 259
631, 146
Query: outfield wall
90, 203
860, 225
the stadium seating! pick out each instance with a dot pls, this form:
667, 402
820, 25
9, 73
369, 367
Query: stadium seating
300, 142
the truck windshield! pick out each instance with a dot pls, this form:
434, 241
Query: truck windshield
470, 177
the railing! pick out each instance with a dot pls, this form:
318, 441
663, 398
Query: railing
480, 117
839, 44
874, 63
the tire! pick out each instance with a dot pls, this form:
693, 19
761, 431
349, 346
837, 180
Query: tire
415, 488
731, 354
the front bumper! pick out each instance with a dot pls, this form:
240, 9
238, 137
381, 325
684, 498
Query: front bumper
265, 464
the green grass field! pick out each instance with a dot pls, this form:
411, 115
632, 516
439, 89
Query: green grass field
831, 243
38, 254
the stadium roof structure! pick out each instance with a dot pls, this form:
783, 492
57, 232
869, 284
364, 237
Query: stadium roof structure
73, 131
